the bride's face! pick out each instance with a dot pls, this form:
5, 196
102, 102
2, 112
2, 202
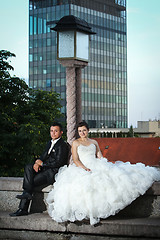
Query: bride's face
83, 132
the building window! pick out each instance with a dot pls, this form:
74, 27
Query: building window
48, 83
30, 57
35, 25
39, 25
31, 25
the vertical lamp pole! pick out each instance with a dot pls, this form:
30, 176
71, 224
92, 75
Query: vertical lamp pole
73, 53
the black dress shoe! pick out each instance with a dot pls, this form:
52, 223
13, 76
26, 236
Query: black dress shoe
19, 212
25, 195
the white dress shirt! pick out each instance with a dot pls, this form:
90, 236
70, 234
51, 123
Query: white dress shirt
53, 142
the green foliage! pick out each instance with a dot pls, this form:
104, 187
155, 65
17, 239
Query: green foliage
26, 116
119, 134
5, 67
130, 133
109, 134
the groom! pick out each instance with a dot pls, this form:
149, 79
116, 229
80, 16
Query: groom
44, 169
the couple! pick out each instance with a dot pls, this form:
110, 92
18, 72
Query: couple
91, 188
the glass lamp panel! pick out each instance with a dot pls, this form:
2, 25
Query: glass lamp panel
66, 44
82, 46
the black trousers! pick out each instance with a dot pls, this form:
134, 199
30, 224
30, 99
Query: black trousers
34, 179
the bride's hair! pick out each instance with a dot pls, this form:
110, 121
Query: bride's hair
81, 124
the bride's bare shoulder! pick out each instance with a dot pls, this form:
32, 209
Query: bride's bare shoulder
75, 143
94, 142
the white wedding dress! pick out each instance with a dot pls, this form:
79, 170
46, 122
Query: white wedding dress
108, 188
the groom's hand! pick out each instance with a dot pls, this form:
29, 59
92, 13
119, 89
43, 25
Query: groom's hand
39, 162
36, 167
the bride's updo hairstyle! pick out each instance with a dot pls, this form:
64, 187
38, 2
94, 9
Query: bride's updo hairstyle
81, 124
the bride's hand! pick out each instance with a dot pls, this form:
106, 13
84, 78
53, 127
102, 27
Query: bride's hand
88, 170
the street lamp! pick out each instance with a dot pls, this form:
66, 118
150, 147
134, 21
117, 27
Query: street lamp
73, 53
72, 38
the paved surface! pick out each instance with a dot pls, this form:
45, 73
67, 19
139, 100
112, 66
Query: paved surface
41, 222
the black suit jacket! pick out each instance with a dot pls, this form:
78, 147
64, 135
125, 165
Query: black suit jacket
58, 156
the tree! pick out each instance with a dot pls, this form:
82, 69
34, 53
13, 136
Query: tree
131, 132
5, 67
26, 116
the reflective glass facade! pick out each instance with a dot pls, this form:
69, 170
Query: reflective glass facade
104, 80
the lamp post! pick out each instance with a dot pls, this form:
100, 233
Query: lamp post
73, 53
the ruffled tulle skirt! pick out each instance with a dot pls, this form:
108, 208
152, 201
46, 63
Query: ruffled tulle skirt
108, 188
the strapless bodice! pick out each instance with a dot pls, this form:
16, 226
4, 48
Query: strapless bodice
87, 153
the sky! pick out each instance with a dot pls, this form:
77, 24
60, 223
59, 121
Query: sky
143, 46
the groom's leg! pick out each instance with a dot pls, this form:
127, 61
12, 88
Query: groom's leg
24, 204
33, 179
28, 181
45, 177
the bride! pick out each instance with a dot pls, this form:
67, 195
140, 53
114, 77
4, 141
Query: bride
93, 188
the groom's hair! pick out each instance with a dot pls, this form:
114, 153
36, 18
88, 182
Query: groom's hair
81, 124
57, 124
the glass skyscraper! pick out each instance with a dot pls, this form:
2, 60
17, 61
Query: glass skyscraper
104, 80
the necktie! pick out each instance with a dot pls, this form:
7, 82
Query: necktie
51, 147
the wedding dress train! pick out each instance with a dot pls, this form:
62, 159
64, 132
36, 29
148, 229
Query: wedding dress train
108, 188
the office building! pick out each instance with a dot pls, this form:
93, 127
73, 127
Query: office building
104, 80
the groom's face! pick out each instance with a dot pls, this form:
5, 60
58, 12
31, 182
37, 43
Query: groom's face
55, 132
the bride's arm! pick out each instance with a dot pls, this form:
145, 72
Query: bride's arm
98, 151
76, 157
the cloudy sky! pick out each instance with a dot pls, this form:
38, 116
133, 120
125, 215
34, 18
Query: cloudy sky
143, 32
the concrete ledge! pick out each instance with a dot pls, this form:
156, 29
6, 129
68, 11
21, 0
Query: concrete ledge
132, 222
14, 184
10, 187
128, 227
155, 189
144, 206
149, 203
